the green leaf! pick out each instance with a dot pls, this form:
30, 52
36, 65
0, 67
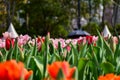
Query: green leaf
74, 55
42, 49
94, 55
60, 75
34, 52
46, 54
117, 51
81, 67
100, 40
31, 77
22, 54
83, 51
15, 51
52, 50
57, 57
117, 68
39, 63
1, 57
109, 52
29, 55
76, 74
69, 59
93, 69
99, 54
60, 49
107, 67
9, 54
3, 54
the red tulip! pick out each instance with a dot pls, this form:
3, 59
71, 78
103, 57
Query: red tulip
9, 42
39, 42
54, 68
40, 39
89, 39
11, 70
80, 41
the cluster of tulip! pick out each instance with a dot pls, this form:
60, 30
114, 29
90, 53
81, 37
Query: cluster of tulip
58, 59
22, 40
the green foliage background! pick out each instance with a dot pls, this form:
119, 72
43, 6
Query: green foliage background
52, 16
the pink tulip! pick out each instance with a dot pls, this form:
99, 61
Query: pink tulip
6, 35
68, 48
22, 40
115, 39
2, 43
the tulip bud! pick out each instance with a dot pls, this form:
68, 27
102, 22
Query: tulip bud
8, 43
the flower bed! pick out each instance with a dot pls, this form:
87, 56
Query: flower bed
45, 58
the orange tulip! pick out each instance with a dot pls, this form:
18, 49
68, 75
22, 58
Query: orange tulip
110, 76
11, 70
54, 68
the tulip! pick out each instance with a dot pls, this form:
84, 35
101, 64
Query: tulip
39, 42
40, 39
55, 67
22, 40
110, 76
89, 39
114, 43
11, 70
6, 35
9, 42
68, 47
80, 41
2, 43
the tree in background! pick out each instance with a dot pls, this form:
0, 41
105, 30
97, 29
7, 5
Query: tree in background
7, 13
44, 16
2, 16
37, 17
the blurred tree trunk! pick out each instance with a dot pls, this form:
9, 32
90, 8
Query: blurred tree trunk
13, 10
27, 15
7, 4
103, 17
90, 9
27, 21
116, 7
10, 9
